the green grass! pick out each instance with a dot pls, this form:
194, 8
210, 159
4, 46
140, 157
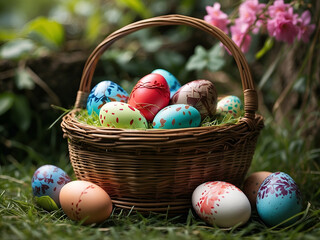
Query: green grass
278, 149
217, 120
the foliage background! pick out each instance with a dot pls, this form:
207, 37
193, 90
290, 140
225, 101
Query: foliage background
41, 68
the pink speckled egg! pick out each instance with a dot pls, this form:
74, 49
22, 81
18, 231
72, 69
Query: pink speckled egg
221, 204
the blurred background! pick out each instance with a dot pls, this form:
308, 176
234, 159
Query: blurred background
44, 46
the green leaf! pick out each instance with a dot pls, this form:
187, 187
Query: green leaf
169, 59
47, 32
16, 49
21, 112
199, 60
268, 44
23, 79
6, 102
216, 61
94, 26
138, 6
203, 59
7, 35
46, 203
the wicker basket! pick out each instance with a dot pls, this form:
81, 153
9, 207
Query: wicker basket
157, 170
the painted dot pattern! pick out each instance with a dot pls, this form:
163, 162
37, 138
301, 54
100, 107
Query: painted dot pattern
121, 115
175, 116
230, 105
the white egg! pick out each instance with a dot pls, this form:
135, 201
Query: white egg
221, 204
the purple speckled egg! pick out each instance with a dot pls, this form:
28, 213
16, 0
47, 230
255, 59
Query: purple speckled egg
48, 181
177, 116
278, 199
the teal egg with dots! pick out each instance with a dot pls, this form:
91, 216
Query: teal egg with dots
172, 81
231, 105
278, 200
177, 116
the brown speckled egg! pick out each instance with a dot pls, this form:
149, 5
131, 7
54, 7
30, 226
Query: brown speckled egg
82, 200
252, 183
201, 94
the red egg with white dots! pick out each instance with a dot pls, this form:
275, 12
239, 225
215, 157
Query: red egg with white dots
221, 204
121, 115
150, 95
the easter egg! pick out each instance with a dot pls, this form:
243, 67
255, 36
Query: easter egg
85, 201
103, 92
173, 83
150, 95
252, 184
177, 116
230, 105
121, 115
221, 204
47, 182
200, 94
278, 199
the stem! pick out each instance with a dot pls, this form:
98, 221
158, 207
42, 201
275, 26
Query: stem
43, 85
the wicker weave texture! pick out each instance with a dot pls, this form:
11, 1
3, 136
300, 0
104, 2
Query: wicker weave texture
153, 169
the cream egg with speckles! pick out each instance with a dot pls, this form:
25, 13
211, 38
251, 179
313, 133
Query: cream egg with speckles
121, 115
85, 202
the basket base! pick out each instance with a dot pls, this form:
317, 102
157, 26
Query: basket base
180, 206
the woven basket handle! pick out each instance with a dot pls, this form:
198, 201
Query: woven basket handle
250, 95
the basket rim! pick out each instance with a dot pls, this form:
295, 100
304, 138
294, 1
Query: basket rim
224, 127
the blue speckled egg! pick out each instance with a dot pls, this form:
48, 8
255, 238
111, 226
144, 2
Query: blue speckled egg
177, 116
278, 199
103, 92
230, 105
173, 83
48, 181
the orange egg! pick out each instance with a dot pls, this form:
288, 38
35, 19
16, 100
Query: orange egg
252, 183
82, 200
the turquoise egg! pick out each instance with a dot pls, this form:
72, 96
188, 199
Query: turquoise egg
173, 83
48, 180
278, 199
177, 116
103, 92
230, 105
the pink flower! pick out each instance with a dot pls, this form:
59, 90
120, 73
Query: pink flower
305, 29
217, 18
278, 7
282, 23
241, 37
249, 10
